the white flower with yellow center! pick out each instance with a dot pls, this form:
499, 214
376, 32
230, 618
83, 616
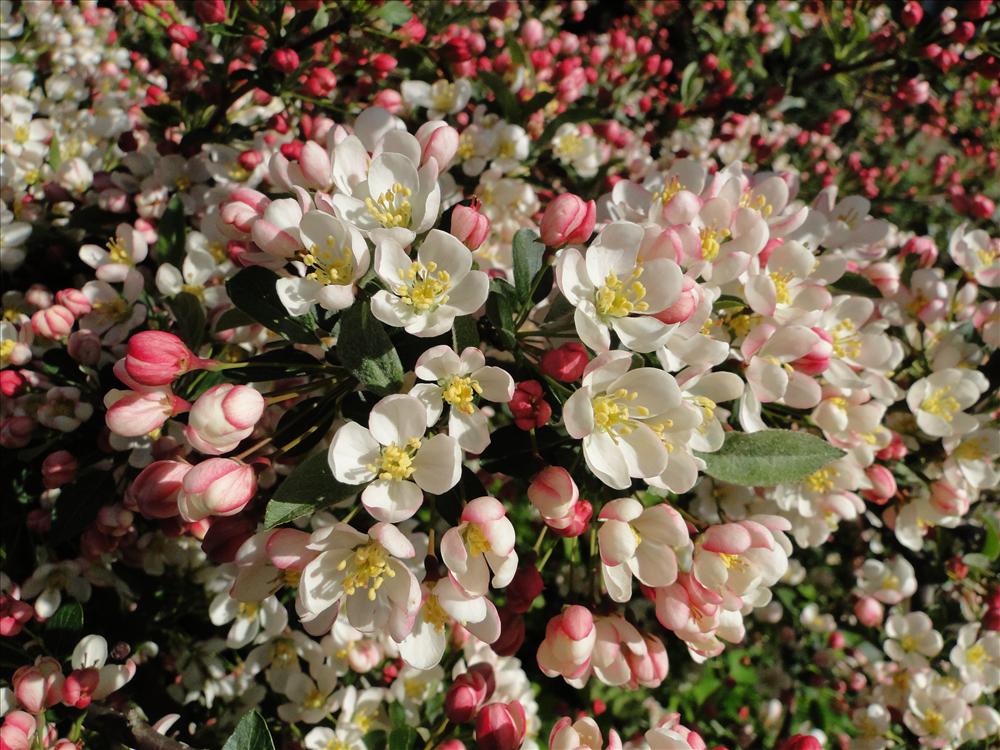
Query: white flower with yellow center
310, 696
612, 413
440, 98
390, 194
444, 604
577, 149
127, 248
460, 381
977, 254
334, 256
939, 401
978, 660
912, 639
973, 458
365, 575
612, 288
484, 540
792, 287
193, 277
890, 582
425, 295
395, 459
260, 620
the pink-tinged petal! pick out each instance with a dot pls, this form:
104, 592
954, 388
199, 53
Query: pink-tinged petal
727, 538
484, 510
622, 509
577, 622
394, 540
287, 549
453, 552
618, 581
617, 542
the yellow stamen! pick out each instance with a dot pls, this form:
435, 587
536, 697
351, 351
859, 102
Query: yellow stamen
940, 404
618, 298
460, 392
392, 208
369, 567
424, 287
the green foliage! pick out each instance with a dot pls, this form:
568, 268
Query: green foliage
251, 734
768, 458
365, 349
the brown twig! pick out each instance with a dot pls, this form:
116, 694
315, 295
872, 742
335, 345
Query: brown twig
129, 729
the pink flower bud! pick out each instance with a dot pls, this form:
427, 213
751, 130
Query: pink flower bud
133, 414
16, 432
924, 248
216, 487
568, 644
553, 492
12, 383
38, 296
528, 405
58, 469
13, 615
883, 484
222, 417
18, 731
576, 523
565, 363
39, 685
79, 687
154, 492
532, 33
439, 141
464, 697
912, 14
53, 322
84, 347
894, 451
210, 11
451, 744
314, 161
801, 742
818, 358
75, 301
524, 588
389, 100
949, 500
568, 220
158, 357
285, 60
470, 226
684, 306
365, 655
884, 275
869, 611
500, 726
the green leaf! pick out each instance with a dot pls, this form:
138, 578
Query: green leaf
728, 302
233, 318
395, 12
304, 425
253, 291
169, 247
375, 739
528, 254
500, 311
687, 78
855, 283
768, 458
397, 715
251, 734
67, 619
365, 349
309, 487
991, 548
55, 155
510, 108
403, 738
464, 333
276, 364
190, 317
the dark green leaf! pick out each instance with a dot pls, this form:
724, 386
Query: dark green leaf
309, 487
403, 738
253, 291
163, 115
855, 283
251, 734
277, 364
528, 254
397, 715
376, 739
234, 318
500, 311
365, 349
304, 425
510, 108
169, 247
728, 302
395, 12
67, 619
768, 458
464, 333
190, 317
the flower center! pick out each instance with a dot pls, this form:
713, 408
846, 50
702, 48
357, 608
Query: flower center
613, 415
291, 577
117, 252
425, 287
314, 699
711, 242
758, 204
845, 340
248, 610
908, 643
475, 540
337, 744
976, 655
707, 407
434, 614
392, 208
780, 281
669, 191
933, 722
618, 298
969, 450
7, 347
732, 562
369, 567
443, 95
330, 264
460, 391
822, 480
21, 134
396, 462
941, 404
568, 146
284, 653
986, 256
115, 309
196, 289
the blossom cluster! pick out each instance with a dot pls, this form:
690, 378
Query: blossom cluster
379, 375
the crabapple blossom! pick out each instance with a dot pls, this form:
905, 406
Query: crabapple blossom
458, 381
395, 458
216, 487
482, 542
570, 639
939, 401
222, 417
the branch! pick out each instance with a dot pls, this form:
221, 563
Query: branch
129, 729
